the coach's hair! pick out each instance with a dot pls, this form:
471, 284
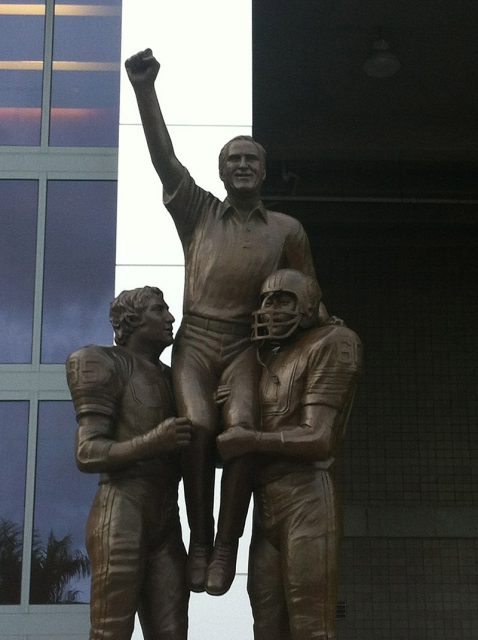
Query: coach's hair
225, 150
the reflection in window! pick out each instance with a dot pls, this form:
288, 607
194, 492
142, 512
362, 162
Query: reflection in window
18, 214
13, 451
86, 65
79, 266
63, 497
21, 66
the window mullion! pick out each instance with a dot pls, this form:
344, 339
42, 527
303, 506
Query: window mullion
29, 501
47, 72
40, 254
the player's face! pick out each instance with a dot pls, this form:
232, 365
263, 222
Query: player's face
157, 323
243, 171
280, 311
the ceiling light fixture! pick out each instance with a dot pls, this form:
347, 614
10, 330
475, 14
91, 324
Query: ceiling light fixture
382, 63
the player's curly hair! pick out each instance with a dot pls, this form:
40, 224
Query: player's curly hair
126, 311
224, 151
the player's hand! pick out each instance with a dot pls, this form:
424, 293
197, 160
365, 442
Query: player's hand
222, 394
171, 434
142, 68
234, 442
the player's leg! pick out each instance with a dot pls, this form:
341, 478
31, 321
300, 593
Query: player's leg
114, 544
163, 611
265, 589
310, 562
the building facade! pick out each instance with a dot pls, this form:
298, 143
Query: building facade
59, 70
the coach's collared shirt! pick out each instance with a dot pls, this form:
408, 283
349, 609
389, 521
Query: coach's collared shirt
227, 258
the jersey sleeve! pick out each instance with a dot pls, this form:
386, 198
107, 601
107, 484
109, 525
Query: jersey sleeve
334, 367
94, 381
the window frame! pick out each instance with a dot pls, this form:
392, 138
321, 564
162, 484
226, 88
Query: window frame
35, 382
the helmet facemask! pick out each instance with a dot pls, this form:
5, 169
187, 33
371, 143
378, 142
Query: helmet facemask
271, 323
277, 322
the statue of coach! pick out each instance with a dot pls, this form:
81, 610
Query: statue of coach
230, 247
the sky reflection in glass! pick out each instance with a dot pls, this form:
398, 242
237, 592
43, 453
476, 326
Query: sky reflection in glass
85, 101
79, 266
13, 430
21, 42
13, 453
63, 495
18, 215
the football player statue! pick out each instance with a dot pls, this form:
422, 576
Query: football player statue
309, 375
127, 432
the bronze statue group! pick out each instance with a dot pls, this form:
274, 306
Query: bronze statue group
262, 379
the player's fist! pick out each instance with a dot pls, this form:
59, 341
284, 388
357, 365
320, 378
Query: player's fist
142, 68
171, 434
234, 442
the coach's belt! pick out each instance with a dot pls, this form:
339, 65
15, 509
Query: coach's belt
219, 326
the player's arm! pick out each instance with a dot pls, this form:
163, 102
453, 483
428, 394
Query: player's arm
97, 451
333, 370
310, 440
142, 69
313, 439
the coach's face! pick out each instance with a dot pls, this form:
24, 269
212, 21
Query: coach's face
243, 171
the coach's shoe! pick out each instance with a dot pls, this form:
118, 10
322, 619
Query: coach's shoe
222, 568
197, 565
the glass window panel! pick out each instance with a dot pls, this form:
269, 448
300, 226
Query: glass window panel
79, 266
85, 82
21, 72
63, 497
18, 215
13, 434
89, 3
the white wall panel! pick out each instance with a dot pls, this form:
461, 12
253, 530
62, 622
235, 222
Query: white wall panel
205, 89
170, 279
205, 51
218, 618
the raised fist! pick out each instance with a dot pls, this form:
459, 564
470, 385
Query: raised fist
142, 68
